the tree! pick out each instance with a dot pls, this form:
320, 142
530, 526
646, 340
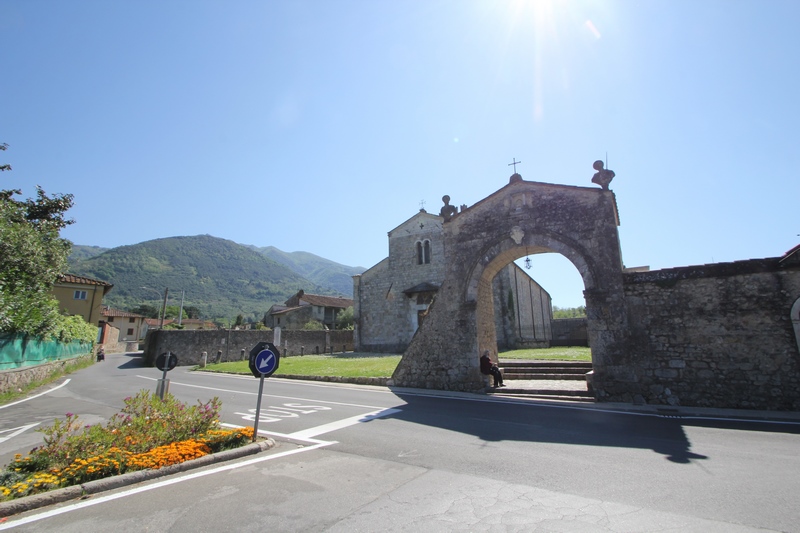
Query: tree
569, 312
345, 318
191, 311
32, 255
173, 311
239, 320
314, 325
150, 311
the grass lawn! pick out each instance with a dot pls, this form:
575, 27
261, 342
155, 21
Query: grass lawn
557, 353
341, 365
355, 364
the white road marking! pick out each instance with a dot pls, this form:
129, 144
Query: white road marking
314, 400
284, 436
35, 396
340, 424
102, 499
19, 429
302, 435
501, 399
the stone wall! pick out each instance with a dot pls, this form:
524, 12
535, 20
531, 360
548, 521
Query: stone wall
387, 317
527, 322
569, 332
521, 219
715, 335
190, 344
18, 378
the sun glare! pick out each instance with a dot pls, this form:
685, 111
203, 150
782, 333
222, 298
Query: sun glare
547, 34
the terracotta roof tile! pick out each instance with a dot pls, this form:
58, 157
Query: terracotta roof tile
327, 301
72, 278
116, 312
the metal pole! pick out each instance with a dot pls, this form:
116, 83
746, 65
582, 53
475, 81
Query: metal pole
180, 315
258, 407
164, 308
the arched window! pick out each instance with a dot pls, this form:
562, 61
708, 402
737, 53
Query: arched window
423, 252
795, 315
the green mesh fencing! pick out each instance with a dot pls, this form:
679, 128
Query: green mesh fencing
17, 351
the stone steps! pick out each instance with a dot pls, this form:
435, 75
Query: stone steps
516, 375
546, 380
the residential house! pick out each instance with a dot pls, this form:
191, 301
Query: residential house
302, 308
132, 327
82, 296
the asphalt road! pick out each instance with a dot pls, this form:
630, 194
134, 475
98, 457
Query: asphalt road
354, 458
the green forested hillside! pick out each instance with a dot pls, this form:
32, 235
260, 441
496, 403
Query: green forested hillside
321, 271
80, 252
220, 277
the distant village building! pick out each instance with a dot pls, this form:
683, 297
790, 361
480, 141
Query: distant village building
302, 308
392, 297
132, 327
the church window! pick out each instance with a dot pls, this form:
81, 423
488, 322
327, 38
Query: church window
795, 316
423, 252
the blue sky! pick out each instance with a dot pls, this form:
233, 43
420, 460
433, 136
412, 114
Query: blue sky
321, 125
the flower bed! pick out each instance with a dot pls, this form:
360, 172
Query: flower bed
147, 434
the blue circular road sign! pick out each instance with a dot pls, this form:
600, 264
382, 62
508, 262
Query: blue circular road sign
266, 362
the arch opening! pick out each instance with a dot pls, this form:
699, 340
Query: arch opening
496, 273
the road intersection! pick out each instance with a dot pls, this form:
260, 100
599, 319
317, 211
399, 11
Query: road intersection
370, 458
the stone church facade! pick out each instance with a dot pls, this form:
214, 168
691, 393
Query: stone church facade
391, 299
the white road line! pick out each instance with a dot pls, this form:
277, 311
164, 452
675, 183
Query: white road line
16, 431
346, 422
285, 436
516, 401
35, 396
305, 383
269, 395
102, 499
301, 435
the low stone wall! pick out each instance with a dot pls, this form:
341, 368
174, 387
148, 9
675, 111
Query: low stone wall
569, 332
18, 378
228, 344
709, 336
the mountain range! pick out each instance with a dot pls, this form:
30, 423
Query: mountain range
218, 276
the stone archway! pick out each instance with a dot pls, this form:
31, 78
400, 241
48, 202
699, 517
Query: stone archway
522, 218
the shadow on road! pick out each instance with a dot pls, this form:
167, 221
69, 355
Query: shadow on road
501, 421
131, 360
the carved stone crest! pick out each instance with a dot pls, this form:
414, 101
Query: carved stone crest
517, 234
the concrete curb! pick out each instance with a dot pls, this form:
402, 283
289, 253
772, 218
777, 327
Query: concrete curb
28, 503
381, 382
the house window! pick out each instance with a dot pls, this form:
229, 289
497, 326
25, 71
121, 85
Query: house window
110, 319
279, 321
423, 252
132, 320
130, 331
79, 295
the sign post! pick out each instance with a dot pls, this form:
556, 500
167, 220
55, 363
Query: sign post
165, 362
264, 360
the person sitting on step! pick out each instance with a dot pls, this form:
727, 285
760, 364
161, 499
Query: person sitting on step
487, 367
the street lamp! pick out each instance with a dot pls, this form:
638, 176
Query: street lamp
163, 307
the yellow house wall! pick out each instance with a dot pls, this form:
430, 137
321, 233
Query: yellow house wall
89, 309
